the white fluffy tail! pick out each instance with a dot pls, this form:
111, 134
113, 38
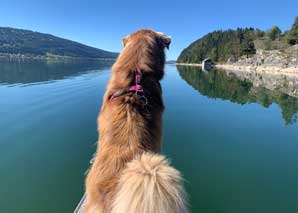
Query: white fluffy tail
150, 185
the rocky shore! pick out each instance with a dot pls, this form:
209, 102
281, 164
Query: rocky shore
283, 61
261, 69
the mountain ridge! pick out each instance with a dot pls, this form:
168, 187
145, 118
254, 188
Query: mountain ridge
23, 43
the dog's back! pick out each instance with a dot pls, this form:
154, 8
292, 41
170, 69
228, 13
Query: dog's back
128, 175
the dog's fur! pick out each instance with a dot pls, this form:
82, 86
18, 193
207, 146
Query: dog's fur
128, 175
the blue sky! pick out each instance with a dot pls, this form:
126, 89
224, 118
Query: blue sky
102, 24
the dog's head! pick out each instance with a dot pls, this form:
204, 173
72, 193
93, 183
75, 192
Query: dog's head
145, 49
148, 36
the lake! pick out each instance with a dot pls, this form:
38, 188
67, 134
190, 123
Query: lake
233, 135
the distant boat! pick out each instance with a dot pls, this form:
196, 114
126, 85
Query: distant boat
207, 64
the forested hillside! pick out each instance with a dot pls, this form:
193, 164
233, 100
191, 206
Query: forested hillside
31, 44
229, 45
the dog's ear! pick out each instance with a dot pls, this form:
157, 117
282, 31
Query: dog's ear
125, 40
165, 40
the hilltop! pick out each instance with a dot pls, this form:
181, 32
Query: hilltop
246, 47
28, 44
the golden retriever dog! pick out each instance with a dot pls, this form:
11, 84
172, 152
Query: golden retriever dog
128, 174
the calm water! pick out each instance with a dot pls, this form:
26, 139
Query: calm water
233, 137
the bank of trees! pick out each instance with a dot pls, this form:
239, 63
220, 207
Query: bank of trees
222, 46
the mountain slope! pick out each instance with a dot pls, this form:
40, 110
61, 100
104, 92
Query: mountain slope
221, 46
31, 44
232, 45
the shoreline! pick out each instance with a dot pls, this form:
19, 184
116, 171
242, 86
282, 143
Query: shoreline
261, 69
189, 64
19, 57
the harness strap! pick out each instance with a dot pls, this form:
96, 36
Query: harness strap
137, 88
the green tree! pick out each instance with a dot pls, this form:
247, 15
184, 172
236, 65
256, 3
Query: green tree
259, 33
292, 35
273, 33
295, 24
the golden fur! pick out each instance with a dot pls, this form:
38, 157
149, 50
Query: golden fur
128, 130
149, 185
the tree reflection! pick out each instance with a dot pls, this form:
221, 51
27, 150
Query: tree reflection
228, 86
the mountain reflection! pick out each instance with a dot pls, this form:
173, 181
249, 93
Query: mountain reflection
26, 72
243, 88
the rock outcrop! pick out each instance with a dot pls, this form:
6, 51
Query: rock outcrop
285, 58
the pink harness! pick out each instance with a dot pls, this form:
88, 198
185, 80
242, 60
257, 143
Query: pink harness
137, 88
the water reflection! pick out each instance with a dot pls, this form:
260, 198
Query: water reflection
244, 88
26, 72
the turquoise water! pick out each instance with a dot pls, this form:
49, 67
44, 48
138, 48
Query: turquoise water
235, 143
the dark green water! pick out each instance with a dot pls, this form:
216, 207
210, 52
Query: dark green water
234, 140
